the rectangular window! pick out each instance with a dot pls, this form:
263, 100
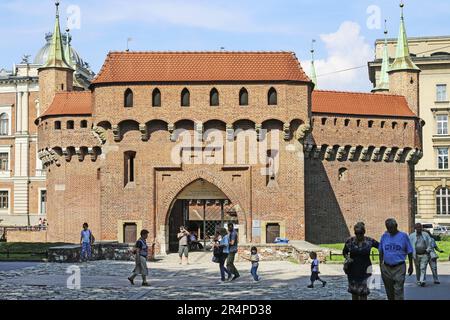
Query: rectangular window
4, 161
4, 199
442, 124
441, 92
129, 158
443, 158
43, 201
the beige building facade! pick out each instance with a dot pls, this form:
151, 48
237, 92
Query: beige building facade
432, 174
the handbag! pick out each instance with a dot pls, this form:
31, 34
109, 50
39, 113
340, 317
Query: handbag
215, 259
347, 264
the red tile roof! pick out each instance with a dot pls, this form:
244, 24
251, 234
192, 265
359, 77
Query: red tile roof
355, 103
70, 103
200, 66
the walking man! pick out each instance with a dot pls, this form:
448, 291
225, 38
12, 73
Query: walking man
141, 251
394, 247
421, 244
233, 249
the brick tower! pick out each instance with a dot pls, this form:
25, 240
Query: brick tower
403, 73
56, 74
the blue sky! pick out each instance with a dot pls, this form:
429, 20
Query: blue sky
345, 30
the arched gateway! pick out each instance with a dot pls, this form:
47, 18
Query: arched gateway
202, 208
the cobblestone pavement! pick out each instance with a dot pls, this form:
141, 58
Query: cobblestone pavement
104, 280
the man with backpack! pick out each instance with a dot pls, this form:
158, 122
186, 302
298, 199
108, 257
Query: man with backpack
86, 241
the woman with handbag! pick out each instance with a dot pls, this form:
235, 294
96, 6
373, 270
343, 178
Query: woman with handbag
221, 250
432, 261
358, 266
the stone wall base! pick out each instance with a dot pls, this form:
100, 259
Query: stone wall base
280, 252
100, 251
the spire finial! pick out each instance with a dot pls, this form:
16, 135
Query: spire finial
57, 8
313, 67
403, 59
385, 28
56, 51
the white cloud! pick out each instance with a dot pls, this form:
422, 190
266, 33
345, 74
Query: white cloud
346, 49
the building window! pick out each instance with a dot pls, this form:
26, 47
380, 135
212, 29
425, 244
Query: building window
442, 201
4, 157
83, 124
70, 125
43, 201
441, 92
156, 98
4, 199
4, 124
57, 125
185, 98
370, 124
243, 97
214, 98
443, 158
129, 158
128, 98
442, 124
343, 173
272, 97
346, 122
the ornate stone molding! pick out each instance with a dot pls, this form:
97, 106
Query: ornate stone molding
230, 132
199, 130
171, 129
80, 153
287, 131
93, 153
144, 132
360, 153
341, 153
329, 153
258, 129
67, 153
302, 132
116, 132
100, 134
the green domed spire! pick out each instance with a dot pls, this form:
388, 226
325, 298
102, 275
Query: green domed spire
56, 57
383, 83
403, 59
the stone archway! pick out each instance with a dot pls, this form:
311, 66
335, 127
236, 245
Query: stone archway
168, 202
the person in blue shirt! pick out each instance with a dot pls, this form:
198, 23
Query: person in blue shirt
86, 241
394, 247
141, 252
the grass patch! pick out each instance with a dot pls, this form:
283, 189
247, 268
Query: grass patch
292, 260
443, 245
25, 251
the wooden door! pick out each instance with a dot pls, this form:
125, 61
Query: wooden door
272, 232
129, 233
